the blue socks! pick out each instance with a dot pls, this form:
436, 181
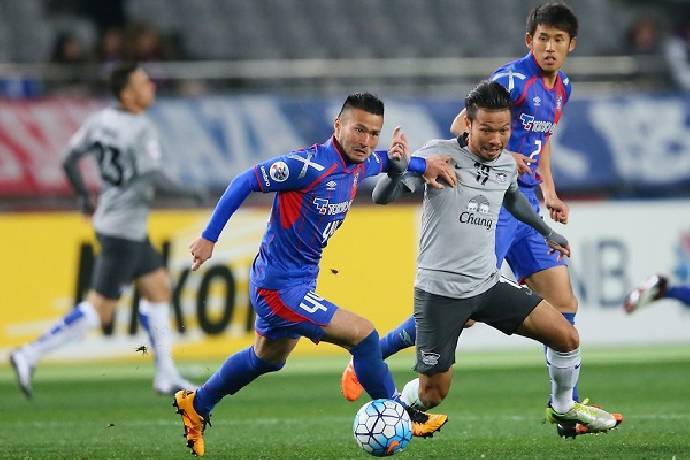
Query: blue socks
681, 293
371, 371
401, 337
235, 373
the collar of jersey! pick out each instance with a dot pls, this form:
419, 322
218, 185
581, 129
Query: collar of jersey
333, 145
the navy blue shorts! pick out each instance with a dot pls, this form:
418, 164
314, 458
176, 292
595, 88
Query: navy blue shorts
522, 246
291, 312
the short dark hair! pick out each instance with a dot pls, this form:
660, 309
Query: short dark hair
119, 77
558, 15
488, 95
363, 101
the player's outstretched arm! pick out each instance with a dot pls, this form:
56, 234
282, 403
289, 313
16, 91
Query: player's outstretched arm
71, 167
519, 206
558, 210
238, 190
168, 186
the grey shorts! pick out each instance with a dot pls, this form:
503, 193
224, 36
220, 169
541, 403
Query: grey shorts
440, 320
121, 261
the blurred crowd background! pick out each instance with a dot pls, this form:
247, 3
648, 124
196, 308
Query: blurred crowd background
81, 38
243, 80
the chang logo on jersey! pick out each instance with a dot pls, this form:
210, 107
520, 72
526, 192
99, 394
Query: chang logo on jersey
476, 211
330, 209
536, 126
279, 171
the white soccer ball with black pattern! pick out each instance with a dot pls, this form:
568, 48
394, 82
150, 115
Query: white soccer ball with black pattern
382, 427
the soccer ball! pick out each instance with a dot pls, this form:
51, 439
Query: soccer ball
382, 427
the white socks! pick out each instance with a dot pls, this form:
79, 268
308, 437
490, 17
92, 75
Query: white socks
155, 317
564, 370
73, 326
410, 395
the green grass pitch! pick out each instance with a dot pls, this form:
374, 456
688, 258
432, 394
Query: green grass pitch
495, 408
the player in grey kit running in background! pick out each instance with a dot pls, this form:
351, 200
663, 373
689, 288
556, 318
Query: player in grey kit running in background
125, 144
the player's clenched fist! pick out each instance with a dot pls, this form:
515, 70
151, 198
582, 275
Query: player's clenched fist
201, 250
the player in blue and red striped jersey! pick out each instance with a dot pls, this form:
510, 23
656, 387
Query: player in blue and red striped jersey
539, 91
314, 190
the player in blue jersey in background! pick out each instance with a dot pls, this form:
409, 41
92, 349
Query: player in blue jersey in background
314, 188
539, 91
655, 288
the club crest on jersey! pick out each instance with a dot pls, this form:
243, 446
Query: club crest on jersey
330, 185
279, 171
476, 212
501, 176
536, 100
430, 359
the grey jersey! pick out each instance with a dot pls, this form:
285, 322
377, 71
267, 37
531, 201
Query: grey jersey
127, 150
457, 244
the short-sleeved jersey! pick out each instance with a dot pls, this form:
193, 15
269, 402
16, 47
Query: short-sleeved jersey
126, 148
536, 109
315, 189
456, 248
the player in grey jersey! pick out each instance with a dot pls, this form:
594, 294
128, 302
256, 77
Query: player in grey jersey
457, 279
125, 144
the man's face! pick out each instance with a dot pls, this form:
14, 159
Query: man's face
140, 90
489, 132
550, 46
357, 131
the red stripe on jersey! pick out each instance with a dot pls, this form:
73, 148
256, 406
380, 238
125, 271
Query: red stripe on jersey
319, 179
525, 88
341, 155
258, 180
560, 92
290, 204
279, 309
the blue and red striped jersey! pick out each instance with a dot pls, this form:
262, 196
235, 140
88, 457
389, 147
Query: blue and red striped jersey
536, 109
315, 189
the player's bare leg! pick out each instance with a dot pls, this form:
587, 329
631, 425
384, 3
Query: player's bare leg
76, 323
154, 315
358, 335
548, 326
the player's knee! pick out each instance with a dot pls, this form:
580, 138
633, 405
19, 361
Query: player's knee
432, 394
362, 328
567, 303
569, 339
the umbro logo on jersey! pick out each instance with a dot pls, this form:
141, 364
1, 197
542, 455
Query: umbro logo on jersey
501, 176
330, 185
559, 103
536, 100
